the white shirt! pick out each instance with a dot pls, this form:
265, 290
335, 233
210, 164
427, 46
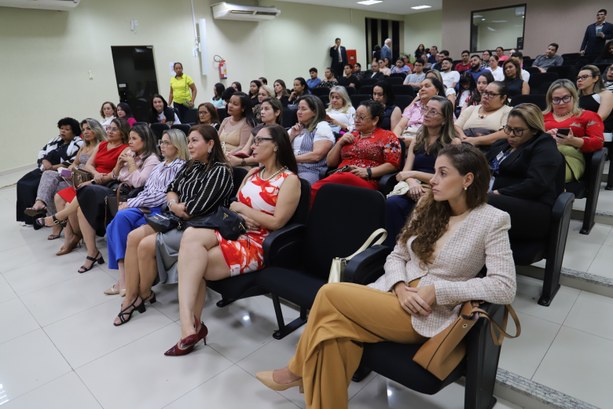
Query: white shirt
322, 132
525, 75
498, 73
450, 78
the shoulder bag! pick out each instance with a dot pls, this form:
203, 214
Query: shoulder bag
442, 353
339, 263
79, 176
227, 222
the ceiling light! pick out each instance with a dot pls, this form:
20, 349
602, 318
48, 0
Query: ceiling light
370, 2
424, 6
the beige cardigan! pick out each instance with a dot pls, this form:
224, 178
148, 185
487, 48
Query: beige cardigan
480, 239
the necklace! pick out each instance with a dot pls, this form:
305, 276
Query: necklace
365, 135
560, 118
271, 176
482, 115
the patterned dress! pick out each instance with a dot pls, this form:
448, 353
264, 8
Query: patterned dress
246, 254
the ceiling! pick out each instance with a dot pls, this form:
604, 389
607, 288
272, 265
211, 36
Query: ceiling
401, 7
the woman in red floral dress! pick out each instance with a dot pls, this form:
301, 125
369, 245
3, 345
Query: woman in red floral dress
267, 199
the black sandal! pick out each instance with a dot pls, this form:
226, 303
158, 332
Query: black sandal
98, 259
129, 310
40, 222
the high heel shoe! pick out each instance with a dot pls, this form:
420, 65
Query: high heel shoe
151, 299
267, 379
72, 244
32, 212
98, 259
42, 222
187, 344
129, 310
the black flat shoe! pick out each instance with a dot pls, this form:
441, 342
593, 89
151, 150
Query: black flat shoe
98, 259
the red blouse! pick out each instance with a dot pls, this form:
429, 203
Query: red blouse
106, 159
588, 125
382, 147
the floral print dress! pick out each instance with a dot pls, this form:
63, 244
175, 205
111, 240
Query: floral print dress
246, 254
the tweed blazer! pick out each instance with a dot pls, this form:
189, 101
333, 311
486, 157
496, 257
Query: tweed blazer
480, 239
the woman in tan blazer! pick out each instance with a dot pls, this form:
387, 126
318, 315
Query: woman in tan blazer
451, 235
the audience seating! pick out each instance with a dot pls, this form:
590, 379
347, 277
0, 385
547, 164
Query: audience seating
540, 82
340, 220
532, 70
319, 91
395, 79
158, 129
589, 187
275, 247
536, 99
568, 72
183, 127
222, 113
357, 98
403, 90
527, 62
365, 89
191, 116
289, 117
403, 101
574, 59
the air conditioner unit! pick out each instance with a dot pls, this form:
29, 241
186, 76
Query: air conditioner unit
60, 5
226, 11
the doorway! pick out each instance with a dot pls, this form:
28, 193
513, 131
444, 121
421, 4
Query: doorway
136, 78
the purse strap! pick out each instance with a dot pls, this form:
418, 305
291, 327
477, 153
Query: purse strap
372, 240
498, 331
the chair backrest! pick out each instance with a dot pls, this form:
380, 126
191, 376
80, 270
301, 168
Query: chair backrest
238, 174
340, 221
183, 127
568, 72
395, 80
222, 113
357, 98
403, 101
403, 90
158, 129
541, 81
320, 91
191, 116
536, 99
365, 89
289, 118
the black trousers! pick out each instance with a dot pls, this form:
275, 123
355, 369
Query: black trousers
27, 187
529, 219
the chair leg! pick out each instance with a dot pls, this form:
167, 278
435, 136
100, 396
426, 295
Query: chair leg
285, 329
362, 371
551, 281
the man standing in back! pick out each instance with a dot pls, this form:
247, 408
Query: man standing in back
596, 36
386, 50
338, 54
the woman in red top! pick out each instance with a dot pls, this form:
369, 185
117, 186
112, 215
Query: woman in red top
585, 128
364, 155
100, 165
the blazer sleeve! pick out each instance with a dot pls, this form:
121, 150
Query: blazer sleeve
585, 38
138, 178
395, 268
499, 285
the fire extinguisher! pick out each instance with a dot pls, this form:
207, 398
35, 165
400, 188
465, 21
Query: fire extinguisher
222, 67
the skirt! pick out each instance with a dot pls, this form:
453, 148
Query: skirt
92, 203
118, 229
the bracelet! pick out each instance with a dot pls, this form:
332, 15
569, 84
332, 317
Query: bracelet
113, 176
369, 171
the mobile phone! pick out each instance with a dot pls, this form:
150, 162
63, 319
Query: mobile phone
241, 155
563, 132
65, 173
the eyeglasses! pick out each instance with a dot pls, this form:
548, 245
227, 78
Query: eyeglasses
361, 118
489, 94
515, 131
583, 77
431, 112
164, 143
563, 100
258, 139
112, 129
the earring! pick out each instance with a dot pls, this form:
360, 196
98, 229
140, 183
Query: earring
465, 188
275, 149
211, 150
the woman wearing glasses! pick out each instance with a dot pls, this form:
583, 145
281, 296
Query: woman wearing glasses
594, 97
267, 199
527, 173
575, 130
481, 124
131, 214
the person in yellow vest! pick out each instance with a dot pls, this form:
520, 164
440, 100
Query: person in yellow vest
182, 92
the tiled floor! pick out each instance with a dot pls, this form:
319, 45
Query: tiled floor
59, 349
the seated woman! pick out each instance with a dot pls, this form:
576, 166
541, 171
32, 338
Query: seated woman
413, 115
436, 132
311, 138
108, 112
131, 214
254, 88
235, 130
217, 99
58, 152
264, 92
207, 115
161, 112
453, 233
483, 80
202, 185
340, 113
577, 131
512, 79
281, 92
329, 80
608, 81
300, 88
237, 86
466, 88
124, 111
267, 199
133, 167
495, 69
594, 97
383, 94
365, 154
449, 92
100, 164
527, 173
481, 124
52, 182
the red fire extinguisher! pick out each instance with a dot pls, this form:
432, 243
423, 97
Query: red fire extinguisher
222, 67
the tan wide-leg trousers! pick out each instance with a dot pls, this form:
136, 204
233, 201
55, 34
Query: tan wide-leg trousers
329, 351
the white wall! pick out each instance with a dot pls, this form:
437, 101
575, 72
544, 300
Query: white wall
422, 28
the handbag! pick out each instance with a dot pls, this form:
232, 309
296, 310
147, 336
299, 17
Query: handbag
163, 222
79, 176
227, 222
442, 353
339, 263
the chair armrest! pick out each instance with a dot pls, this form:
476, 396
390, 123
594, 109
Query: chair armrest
367, 266
283, 245
387, 183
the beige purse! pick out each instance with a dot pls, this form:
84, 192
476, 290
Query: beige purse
339, 263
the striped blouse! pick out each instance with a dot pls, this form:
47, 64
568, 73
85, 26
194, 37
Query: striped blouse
154, 194
203, 190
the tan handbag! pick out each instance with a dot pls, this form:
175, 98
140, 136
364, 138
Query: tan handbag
339, 263
442, 353
79, 176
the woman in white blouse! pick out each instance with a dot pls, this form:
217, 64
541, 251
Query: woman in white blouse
340, 113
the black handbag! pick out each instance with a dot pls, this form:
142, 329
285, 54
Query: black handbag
163, 222
228, 223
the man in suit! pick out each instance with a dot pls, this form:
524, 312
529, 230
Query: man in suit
373, 75
338, 54
386, 50
596, 36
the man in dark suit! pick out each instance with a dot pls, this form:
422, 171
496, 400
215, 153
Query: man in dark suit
373, 75
338, 54
596, 36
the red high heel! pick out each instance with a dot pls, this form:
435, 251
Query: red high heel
187, 344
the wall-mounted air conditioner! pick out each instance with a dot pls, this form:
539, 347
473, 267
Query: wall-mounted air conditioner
41, 4
227, 11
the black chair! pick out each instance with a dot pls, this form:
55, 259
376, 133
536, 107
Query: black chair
191, 116
158, 129
341, 219
387, 182
536, 99
365, 89
526, 252
222, 113
289, 118
246, 285
568, 72
357, 98
532, 70
480, 365
183, 127
403, 101
589, 187
319, 91
527, 62
403, 90
325, 99
540, 82
238, 174
394, 79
